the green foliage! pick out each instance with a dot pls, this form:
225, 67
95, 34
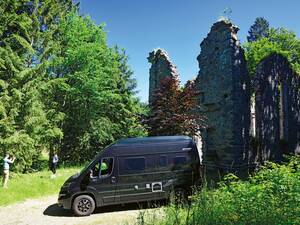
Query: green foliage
258, 30
279, 41
61, 87
27, 38
271, 196
94, 90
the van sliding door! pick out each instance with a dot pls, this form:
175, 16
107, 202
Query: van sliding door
134, 183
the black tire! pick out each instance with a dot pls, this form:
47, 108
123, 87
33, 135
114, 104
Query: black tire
83, 205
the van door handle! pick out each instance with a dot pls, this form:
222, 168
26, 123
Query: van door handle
113, 180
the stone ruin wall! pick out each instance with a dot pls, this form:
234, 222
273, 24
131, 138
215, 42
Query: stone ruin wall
277, 108
224, 95
223, 83
161, 67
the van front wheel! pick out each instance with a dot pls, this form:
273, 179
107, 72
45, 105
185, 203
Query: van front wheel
83, 205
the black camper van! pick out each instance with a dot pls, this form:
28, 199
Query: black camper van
133, 170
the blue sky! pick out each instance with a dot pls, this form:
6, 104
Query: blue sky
179, 26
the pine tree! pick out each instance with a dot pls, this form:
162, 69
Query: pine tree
132, 107
26, 42
258, 30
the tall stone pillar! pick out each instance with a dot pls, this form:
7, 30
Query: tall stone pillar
161, 67
223, 84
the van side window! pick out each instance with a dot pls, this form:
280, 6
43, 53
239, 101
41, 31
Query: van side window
162, 161
132, 165
102, 168
179, 162
106, 166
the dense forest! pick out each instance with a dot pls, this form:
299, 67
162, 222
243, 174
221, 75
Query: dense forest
62, 88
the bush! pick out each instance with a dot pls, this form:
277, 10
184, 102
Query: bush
40, 164
271, 196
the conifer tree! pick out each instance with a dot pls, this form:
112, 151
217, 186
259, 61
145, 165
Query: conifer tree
258, 30
26, 41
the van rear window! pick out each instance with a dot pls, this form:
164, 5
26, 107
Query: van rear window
132, 165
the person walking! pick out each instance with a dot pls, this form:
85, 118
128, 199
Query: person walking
6, 163
54, 164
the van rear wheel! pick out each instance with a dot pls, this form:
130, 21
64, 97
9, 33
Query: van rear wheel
83, 205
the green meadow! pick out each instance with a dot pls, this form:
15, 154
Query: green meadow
34, 185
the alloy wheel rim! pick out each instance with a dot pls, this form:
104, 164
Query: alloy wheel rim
84, 205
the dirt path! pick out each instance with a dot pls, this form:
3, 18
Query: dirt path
45, 211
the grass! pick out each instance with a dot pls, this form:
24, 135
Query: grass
34, 185
271, 196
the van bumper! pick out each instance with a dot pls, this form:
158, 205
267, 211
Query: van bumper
64, 201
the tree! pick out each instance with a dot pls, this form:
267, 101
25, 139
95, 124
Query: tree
279, 41
258, 30
26, 42
94, 90
174, 110
61, 87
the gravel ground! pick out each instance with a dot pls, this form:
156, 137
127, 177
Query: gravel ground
45, 211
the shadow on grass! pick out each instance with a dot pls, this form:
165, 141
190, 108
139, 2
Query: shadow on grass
56, 211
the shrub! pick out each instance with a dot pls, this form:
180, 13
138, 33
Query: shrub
270, 196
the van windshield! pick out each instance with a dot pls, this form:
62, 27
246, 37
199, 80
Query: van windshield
88, 165
94, 159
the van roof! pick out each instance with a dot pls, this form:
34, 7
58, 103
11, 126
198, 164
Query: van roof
156, 139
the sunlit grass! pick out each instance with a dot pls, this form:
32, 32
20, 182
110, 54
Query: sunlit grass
34, 185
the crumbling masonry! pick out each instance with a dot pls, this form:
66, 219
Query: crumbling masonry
223, 83
161, 67
277, 102
224, 94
